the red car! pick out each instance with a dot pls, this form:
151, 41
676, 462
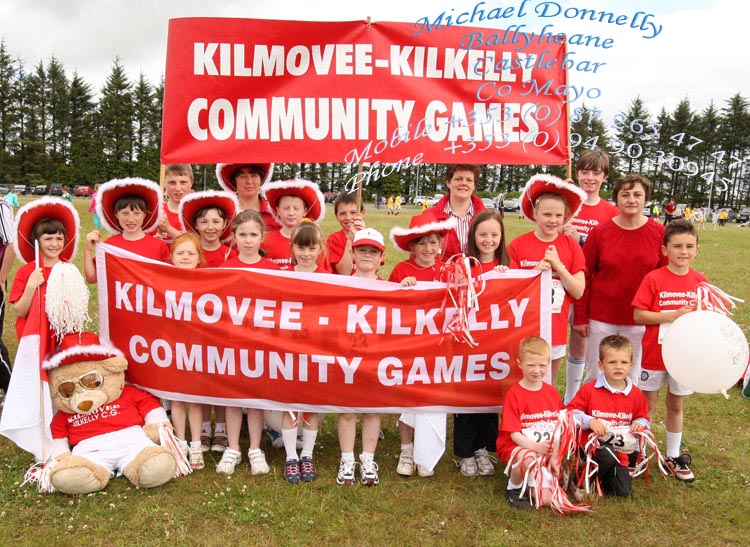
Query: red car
83, 191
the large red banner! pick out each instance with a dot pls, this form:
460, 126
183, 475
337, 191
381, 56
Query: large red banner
279, 340
275, 91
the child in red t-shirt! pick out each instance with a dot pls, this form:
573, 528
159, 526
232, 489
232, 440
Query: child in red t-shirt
350, 217
210, 214
656, 310
550, 203
529, 417
129, 208
178, 183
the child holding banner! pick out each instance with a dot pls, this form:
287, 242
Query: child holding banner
350, 217
474, 435
422, 435
291, 200
551, 202
187, 253
368, 251
210, 214
178, 183
249, 230
128, 208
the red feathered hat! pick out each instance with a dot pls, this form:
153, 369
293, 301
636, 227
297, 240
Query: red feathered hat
420, 226
111, 191
549, 184
192, 203
39, 209
308, 191
77, 347
224, 173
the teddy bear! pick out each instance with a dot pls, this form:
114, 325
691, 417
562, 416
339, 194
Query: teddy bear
102, 426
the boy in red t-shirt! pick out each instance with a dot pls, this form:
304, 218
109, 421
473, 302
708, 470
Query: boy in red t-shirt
613, 408
178, 183
529, 417
339, 244
665, 295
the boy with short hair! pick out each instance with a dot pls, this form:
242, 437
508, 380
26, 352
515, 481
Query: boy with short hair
178, 182
613, 408
665, 295
129, 208
529, 416
339, 244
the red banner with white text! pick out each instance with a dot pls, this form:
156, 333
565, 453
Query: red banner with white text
276, 340
352, 92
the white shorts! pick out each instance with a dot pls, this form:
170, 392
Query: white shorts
599, 330
558, 352
653, 380
115, 450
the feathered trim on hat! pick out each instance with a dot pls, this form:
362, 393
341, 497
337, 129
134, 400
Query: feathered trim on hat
541, 184
307, 190
46, 207
192, 203
110, 191
400, 237
224, 173
78, 348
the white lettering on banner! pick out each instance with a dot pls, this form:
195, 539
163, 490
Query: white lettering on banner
209, 308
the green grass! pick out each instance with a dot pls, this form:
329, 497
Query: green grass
210, 509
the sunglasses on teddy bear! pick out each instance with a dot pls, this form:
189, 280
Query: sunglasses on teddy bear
89, 380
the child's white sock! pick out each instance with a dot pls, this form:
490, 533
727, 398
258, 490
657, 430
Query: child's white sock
308, 442
220, 427
407, 447
366, 456
206, 428
573, 374
195, 444
347, 456
512, 486
674, 442
290, 443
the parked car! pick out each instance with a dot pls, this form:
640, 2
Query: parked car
511, 205
40, 190
83, 191
434, 199
743, 216
418, 200
56, 190
20, 189
4, 189
489, 203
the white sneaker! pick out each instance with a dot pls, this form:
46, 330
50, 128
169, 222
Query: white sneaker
368, 470
229, 461
469, 467
405, 463
258, 464
484, 462
422, 471
196, 457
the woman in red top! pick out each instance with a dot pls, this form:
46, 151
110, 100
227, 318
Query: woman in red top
619, 253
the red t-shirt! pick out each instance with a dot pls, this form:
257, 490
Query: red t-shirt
335, 247
147, 246
174, 221
663, 290
263, 264
483, 267
19, 286
129, 410
592, 215
527, 250
525, 409
217, 257
409, 268
617, 260
617, 409
278, 249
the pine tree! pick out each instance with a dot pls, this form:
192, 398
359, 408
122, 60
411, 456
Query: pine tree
116, 123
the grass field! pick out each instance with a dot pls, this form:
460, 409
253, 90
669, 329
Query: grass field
210, 509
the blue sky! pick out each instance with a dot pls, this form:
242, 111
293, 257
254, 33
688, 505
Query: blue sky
699, 53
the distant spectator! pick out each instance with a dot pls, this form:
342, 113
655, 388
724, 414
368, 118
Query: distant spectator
669, 210
11, 198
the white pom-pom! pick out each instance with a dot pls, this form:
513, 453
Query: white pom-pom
67, 303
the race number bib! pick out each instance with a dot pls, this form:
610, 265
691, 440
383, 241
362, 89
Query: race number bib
558, 295
539, 431
620, 438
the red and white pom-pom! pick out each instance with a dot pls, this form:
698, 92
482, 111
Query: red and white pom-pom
39, 474
67, 300
168, 440
646, 441
712, 298
463, 291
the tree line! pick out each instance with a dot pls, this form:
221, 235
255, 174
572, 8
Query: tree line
57, 129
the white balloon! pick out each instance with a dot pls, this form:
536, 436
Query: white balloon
705, 351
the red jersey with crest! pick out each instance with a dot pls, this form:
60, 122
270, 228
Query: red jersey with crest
524, 409
129, 410
147, 246
662, 290
527, 250
591, 216
409, 268
617, 409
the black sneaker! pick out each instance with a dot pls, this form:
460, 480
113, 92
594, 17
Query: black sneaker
307, 468
516, 500
679, 467
292, 471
